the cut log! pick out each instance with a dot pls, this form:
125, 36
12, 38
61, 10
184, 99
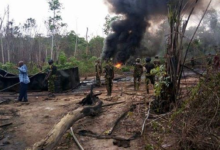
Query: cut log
65, 123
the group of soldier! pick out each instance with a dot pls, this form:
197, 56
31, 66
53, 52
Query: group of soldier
51, 76
138, 71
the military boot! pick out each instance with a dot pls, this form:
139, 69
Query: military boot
138, 85
147, 88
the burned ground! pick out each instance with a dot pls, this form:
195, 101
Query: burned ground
31, 122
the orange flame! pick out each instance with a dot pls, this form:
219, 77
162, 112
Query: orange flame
118, 65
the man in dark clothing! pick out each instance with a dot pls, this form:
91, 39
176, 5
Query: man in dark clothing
24, 80
156, 61
51, 77
193, 62
148, 76
209, 60
109, 76
138, 71
98, 70
216, 62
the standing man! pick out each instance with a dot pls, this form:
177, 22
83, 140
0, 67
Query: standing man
24, 80
148, 76
216, 61
51, 77
138, 71
109, 76
192, 62
209, 60
98, 70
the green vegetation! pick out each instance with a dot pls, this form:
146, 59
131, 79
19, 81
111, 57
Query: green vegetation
163, 79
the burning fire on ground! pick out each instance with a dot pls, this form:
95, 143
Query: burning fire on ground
118, 65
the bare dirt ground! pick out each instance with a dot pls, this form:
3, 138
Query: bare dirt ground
31, 122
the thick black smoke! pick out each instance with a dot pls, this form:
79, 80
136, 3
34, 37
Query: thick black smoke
127, 35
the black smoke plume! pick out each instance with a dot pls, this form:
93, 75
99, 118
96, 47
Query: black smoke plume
128, 32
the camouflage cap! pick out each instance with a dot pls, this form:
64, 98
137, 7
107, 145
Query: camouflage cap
138, 60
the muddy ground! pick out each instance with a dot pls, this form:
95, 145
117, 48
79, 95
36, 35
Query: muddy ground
29, 123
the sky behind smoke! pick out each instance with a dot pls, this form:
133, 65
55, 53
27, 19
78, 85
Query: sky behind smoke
87, 13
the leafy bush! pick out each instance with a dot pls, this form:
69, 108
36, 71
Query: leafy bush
197, 126
62, 58
9, 67
125, 69
163, 80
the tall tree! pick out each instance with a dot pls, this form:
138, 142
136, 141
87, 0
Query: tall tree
54, 21
108, 21
30, 32
1, 36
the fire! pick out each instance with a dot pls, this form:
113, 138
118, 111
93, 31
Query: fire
118, 65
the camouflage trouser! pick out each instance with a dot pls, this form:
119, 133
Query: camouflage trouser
137, 82
98, 80
109, 84
148, 79
51, 83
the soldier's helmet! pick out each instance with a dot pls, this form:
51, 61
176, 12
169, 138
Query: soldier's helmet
50, 62
98, 61
148, 59
109, 60
138, 60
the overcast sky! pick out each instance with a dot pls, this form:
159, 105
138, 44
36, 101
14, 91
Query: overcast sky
87, 13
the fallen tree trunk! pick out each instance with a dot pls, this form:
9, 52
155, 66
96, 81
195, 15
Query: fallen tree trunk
119, 141
120, 118
65, 123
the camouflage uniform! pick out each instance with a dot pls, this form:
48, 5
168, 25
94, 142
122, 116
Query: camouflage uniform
138, 71
209, 60
109, 76
98, 69
193, 62
156, 62
216, 62
148, 76
52, 79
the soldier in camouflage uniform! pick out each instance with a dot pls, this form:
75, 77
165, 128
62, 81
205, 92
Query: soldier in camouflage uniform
51, 77
98, 70
109, 76
156, 61
209, 60
138, 71
148, 76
